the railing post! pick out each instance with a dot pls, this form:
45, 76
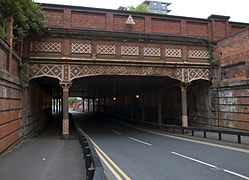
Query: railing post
83, 104
9, 39
86, 151
219, 136
89, 173
88, 104
84, 143
93, 100
205, 134
239, 139
88, 161
159, 108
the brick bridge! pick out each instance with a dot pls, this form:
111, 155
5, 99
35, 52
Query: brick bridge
101, 54
83, 42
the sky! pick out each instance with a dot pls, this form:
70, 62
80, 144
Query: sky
237, 9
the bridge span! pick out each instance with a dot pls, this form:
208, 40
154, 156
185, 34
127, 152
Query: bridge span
159, 69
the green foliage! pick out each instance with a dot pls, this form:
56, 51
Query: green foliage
24, 73
139, 8
27, 17
72, 99
213, 60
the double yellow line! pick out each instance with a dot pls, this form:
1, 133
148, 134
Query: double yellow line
100, 153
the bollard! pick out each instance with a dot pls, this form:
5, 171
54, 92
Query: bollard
205, 134
193, 133
86, 150
89, 173
85, 143
239, 139
220, 136
88, 161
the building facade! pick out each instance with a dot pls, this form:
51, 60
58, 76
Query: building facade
157, 7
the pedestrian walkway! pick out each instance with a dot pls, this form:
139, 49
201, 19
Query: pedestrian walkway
44, 157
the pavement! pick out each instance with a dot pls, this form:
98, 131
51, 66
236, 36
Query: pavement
45, 157
139, 154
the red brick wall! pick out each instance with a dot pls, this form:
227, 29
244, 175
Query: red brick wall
236, 28
54, 17
232, 86
213, 28
3, 57
220, 28
197, 29
10, 97
15, 124
233, 55
165, 26
88, 20
10, 113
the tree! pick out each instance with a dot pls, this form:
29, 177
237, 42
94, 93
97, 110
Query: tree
139, 8
72, 99
27, 15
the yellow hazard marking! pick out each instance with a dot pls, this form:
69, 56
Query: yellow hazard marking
114, 165
108, 165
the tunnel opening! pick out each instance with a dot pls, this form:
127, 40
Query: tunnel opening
154, 99
44, 104
144, 98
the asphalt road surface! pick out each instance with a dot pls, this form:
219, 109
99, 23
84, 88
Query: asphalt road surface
131, 153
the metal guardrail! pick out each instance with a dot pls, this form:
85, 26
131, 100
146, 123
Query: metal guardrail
193, 129
94, 168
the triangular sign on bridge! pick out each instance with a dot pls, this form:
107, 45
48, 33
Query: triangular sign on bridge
130, 20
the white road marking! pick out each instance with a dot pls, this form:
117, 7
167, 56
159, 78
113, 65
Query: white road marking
210, 165
116, 132
236, 174
192, 159
140, 141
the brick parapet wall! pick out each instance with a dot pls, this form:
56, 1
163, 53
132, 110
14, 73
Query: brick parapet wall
84, 18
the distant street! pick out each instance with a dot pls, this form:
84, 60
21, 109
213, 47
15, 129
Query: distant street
144, 155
